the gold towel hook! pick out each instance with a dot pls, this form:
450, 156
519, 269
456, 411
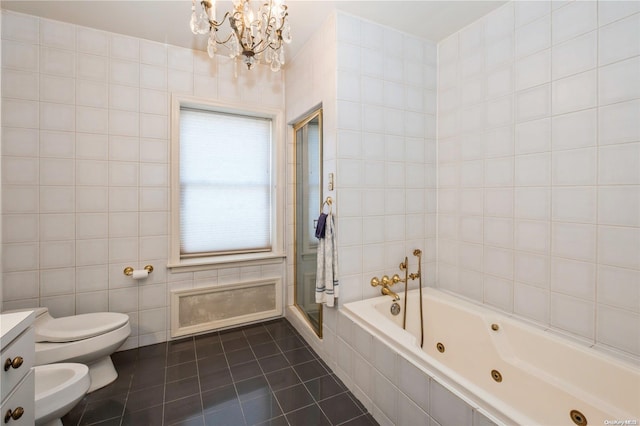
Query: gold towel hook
327, 202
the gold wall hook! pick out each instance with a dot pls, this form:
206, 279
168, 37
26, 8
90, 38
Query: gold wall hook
327, 202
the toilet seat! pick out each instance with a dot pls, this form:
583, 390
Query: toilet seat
79, 327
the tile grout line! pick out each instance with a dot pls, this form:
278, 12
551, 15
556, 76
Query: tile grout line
283, 330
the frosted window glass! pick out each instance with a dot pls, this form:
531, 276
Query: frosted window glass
225, 182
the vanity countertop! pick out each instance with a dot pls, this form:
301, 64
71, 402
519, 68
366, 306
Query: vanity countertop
12, 324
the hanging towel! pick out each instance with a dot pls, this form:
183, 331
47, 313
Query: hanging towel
327, 267
322, 220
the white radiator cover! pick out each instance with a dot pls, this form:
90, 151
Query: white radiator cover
211, 308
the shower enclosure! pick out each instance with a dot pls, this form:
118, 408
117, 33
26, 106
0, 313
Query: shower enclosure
308, 178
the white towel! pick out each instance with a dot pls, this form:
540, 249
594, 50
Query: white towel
327, 267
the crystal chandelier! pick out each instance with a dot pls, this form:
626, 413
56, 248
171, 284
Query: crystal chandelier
254, 35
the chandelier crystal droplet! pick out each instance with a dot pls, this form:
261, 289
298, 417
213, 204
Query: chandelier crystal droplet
254, 35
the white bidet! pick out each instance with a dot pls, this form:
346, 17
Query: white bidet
59, 387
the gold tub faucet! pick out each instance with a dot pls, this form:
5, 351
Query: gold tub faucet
387, 282
387, 292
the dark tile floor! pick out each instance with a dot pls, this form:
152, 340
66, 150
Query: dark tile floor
263, 374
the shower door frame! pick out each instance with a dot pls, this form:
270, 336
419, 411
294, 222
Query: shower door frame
298, 125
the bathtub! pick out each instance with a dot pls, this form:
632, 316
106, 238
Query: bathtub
512, 372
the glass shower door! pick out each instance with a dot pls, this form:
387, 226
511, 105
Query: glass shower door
308, 173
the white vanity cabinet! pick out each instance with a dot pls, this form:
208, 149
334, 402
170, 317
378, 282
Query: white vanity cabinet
17, 355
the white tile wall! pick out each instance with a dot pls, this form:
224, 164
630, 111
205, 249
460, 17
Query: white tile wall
379, 139
85, 181
377, 116
559, 225
538, 143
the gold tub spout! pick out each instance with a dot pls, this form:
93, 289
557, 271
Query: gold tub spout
385, 282
387, 292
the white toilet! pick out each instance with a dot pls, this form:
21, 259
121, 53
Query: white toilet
59, 387
86, 338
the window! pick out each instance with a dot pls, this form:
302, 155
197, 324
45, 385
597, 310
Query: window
225, 192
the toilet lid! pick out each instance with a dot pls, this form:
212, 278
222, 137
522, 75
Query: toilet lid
78, 327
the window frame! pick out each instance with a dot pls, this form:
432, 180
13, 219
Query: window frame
277, 184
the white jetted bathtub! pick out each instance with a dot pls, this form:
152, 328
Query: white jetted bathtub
514, 372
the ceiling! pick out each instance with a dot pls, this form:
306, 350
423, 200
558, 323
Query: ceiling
167, 21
